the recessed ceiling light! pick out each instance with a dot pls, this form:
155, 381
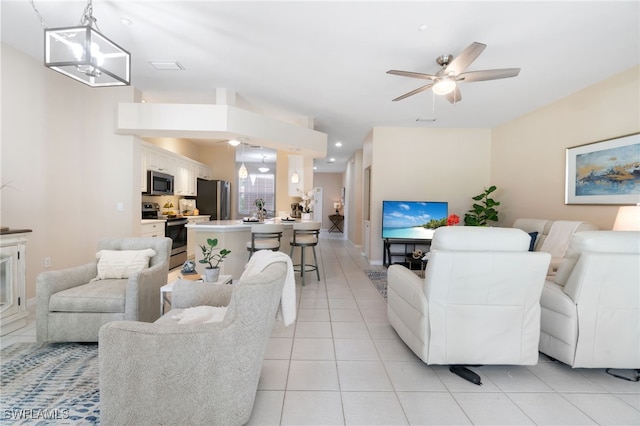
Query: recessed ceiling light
423, 27
167, 65
126, 22
234, 142
331, 160
338, 144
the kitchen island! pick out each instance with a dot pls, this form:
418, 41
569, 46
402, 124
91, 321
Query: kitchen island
233, 235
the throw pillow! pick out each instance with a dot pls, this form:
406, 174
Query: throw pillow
534, 237
201, 315
119, 264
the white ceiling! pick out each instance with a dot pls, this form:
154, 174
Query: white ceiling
328, 59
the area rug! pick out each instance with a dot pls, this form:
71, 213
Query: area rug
378, 278
54, 383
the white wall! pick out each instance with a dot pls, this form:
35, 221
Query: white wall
67, 170
423, 164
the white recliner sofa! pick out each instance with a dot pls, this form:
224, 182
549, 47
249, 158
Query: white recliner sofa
553, 237
591, 311
479, 300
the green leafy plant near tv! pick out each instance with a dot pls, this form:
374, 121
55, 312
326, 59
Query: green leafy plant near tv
484, 210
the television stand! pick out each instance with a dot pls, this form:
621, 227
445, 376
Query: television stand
393, 247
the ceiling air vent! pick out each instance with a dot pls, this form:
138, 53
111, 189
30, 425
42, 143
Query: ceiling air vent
167, 65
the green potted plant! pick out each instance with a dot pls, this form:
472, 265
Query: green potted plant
212, 256
484, 212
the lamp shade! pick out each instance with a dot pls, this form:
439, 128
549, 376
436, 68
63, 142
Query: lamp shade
628, 219
444, 86
85, 55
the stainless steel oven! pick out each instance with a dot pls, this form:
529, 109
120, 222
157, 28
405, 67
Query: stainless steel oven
174, 228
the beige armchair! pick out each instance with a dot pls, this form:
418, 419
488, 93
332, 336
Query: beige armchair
479, 300
194, 373
591, 312
73, 304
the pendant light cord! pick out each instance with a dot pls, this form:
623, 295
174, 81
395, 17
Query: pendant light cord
86, 18
35, 9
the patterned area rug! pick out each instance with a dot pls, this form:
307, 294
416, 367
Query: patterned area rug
46, 384
378, 278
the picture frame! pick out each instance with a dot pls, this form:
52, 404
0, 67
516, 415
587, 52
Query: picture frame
604, 172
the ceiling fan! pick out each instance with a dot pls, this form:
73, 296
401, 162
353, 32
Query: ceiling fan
445, 81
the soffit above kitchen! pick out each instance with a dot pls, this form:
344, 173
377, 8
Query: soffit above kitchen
215, 122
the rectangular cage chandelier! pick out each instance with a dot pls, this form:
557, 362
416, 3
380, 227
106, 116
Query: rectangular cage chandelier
84, 54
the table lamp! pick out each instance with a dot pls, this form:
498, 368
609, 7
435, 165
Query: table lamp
628, 219
337, 207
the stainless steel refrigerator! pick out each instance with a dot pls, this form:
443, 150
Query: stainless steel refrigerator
214, 199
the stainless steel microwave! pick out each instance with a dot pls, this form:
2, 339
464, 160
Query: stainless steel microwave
159, 183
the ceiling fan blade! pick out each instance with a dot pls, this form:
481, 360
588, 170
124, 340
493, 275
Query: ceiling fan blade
413, 92
488, 75
454, 96
412, 74
465, 58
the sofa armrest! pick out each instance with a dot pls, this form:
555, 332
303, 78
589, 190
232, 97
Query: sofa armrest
51, 282
408, 286
143, 293
187, 294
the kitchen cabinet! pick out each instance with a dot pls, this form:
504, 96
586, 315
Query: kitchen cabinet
191, 238
161, 161
13, 297
203, 172
152, 228
185, 179
185, 170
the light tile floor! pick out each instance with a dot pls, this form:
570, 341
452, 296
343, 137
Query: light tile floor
342, 364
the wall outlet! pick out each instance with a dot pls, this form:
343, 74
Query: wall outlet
47, 262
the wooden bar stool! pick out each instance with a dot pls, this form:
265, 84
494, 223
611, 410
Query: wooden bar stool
305, 234
265, 236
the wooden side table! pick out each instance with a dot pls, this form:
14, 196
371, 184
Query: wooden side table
168, 288
336, 222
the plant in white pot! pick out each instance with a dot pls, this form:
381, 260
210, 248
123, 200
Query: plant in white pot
212, 256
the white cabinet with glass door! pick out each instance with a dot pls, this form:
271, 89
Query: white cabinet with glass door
13, 298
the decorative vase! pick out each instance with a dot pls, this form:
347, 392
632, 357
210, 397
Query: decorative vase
306, 216
211, 275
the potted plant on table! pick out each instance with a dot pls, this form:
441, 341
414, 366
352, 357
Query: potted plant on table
212, 256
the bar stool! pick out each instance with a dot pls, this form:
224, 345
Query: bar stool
305, 234
265, 236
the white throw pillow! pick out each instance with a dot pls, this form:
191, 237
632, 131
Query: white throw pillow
201, 315
119, 264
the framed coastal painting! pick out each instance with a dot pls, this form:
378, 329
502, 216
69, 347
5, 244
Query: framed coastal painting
604, 172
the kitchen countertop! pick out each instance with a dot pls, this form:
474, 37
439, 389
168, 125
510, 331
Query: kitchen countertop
162, 220
236, 225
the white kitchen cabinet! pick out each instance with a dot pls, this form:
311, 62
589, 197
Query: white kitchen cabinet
203, 172
185, 179
152, 228
13, 297
160, 161
191, 237
185, 170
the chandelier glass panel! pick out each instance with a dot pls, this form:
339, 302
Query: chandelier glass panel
86, 55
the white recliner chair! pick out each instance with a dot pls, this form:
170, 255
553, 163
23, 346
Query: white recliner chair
591, 311
479, 300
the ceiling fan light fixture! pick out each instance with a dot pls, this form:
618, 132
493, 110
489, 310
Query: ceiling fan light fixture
444, 86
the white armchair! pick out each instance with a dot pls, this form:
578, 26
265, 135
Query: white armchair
591, 311
72, 304
478, 302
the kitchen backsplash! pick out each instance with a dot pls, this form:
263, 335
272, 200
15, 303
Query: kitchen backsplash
163, 200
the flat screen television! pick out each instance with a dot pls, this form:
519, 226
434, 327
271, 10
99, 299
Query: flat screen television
412, 220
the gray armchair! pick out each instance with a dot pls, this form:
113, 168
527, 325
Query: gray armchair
72, 305
196, 374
